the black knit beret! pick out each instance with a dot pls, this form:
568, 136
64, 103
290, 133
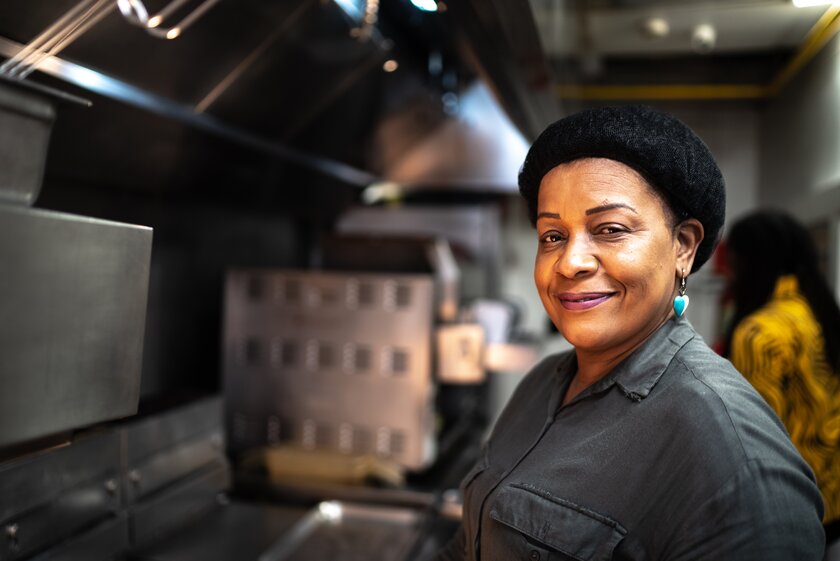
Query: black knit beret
676, 163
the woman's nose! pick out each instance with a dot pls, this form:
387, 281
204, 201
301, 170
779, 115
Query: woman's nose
577, 259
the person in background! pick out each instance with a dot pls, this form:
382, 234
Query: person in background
640, 443
785, 339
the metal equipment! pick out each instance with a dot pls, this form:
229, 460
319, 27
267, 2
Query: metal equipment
338, 361
72, 318
73, 306
25, 124
119, 489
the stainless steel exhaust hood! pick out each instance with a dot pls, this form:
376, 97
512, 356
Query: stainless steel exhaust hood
476, 148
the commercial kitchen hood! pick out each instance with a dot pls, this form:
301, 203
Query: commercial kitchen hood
477, 147
258, 94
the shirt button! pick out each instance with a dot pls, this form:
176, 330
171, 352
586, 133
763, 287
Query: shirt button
535, 555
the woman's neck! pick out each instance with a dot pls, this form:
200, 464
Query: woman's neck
594, 365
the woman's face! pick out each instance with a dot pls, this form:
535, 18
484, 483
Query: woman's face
607, 261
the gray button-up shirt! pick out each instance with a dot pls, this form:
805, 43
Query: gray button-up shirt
671, 456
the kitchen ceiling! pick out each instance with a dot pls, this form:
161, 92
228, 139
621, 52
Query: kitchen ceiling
671, 42
257, 93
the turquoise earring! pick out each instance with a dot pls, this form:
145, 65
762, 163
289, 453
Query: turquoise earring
681, 300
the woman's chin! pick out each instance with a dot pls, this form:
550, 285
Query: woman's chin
587, 340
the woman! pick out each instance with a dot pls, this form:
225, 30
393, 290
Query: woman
641, 443
785, 340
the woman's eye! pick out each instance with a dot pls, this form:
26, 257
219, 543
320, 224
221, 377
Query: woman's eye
611, 230
551, 237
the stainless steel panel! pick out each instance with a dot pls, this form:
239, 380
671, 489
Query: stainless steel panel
177, 506
49, 497
106, 542
168, 467
349, 532
149, 436
474, 230
72, 317
25, 122
331, 360
237, 531
161, 449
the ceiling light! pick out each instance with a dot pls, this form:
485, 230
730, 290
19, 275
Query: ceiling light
173, 33
656, 28
154, 21
390, 65
812, 3
703, 38
425, 5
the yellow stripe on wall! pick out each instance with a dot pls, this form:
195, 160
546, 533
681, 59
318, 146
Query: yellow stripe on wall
821, 33
674, 91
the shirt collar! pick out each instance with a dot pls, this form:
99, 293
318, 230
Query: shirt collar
636, 375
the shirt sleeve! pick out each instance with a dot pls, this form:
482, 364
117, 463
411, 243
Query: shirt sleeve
455, 549
765, 356
763, 513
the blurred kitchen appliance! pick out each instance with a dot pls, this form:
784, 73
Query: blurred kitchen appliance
118, 488
460, 348
332, 360
73, 306
72, 319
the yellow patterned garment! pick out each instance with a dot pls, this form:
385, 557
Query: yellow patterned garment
779, 349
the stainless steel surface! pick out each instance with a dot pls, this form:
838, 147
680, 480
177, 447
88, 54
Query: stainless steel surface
171, 465
473, 231
51, 496
175, 507
151, 435
165, 448
447, 276
103, 543
73, 311
101, 84
348, 532
237, 531
338, 361
175, 466
25, 123
480, 150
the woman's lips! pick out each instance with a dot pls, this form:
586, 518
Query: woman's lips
583, 300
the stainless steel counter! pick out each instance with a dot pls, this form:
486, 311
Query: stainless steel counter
337, 531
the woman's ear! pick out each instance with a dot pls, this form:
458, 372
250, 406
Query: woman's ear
689, 234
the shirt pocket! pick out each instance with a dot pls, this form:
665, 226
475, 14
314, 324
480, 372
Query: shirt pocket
559, 525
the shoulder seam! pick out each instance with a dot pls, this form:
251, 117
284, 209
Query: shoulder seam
722, 403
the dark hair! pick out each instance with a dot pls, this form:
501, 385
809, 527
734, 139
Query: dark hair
766, 245
665, 151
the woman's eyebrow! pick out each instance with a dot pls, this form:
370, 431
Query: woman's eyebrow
604, 208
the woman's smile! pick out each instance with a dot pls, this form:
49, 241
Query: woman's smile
581, 301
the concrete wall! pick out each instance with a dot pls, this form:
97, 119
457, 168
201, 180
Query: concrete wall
800, 150
800, 141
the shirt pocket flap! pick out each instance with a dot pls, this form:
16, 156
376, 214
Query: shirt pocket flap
559, 524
